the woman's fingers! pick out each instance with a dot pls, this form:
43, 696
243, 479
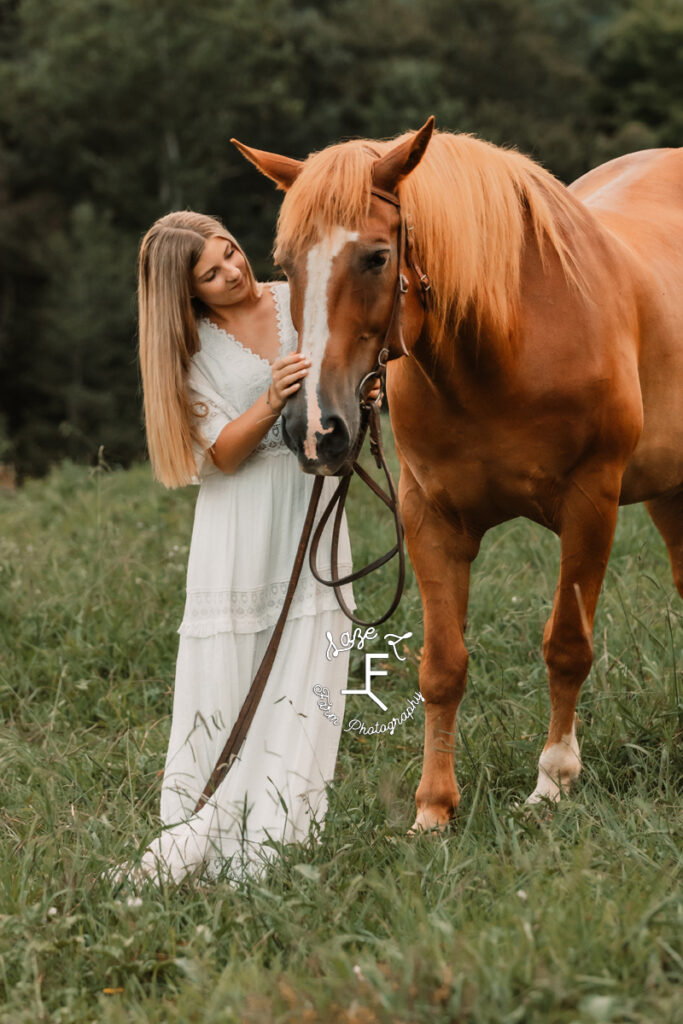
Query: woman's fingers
287, 391
289, 378
288, 373
292, 359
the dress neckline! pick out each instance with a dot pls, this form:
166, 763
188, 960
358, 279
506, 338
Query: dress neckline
245, 348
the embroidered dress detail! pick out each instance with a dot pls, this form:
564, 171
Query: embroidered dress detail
245, 611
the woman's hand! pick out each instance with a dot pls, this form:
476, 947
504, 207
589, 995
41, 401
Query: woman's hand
373, 394
288, 373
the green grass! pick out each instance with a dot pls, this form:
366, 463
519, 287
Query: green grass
575, 918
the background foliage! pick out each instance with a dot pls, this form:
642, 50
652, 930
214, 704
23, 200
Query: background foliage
117, 111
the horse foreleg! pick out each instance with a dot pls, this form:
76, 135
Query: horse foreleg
667, 515
441, 557
586, 527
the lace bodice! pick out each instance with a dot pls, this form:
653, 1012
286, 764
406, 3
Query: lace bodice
227, 378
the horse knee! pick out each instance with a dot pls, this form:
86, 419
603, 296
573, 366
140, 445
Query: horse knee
443, 674
568, 660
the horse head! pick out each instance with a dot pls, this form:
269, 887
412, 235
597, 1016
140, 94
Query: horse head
353, 291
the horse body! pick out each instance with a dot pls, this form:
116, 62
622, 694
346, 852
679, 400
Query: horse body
638, 199
547, 383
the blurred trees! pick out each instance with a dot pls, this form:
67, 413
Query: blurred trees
637, 64
116, 111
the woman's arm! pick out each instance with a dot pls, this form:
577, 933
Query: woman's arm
238, 438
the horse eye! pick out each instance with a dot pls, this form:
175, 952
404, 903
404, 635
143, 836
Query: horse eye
377, 260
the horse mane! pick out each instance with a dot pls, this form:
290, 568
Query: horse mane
467, 202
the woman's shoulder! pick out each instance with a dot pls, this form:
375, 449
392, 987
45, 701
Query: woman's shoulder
280, 286
205, 328
212, 342
211, 351
280, 290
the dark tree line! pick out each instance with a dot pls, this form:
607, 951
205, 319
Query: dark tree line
116, 111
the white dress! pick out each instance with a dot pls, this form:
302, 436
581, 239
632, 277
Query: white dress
246, 531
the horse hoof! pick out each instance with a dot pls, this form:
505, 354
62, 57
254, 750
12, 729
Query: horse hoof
535, 811
429, 823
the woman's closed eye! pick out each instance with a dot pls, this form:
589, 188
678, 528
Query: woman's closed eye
210, 274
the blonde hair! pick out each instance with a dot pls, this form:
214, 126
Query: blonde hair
169, 252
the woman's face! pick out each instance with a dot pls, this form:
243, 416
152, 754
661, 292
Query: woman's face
220, 275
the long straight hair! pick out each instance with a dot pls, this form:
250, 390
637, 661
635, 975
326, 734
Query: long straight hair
169, 252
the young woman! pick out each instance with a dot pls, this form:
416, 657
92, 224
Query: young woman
219, 362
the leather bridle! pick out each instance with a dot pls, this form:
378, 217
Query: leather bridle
405, 259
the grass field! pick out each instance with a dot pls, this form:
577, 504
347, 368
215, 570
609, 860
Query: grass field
576, 918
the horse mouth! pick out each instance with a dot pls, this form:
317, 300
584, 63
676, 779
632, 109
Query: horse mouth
342, 466
332, 452
317, 468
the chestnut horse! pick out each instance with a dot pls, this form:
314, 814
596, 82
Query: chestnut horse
544, 379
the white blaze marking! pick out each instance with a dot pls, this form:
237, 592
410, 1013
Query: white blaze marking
558, 766
316, 328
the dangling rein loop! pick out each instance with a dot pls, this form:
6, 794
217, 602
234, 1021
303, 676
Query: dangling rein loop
370, 417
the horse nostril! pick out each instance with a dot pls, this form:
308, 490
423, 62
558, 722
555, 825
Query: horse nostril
331, 424
335, 437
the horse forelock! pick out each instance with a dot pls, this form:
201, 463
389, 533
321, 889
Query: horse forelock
333, 190
467, 202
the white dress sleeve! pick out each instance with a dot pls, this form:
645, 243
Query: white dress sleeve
210, 413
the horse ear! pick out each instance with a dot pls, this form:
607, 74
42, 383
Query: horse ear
282, 169
402, 159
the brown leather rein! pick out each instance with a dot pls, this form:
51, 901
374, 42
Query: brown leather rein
369, 418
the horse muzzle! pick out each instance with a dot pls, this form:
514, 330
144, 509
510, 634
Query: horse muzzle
328, 451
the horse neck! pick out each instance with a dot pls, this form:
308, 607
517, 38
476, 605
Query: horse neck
461, 358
